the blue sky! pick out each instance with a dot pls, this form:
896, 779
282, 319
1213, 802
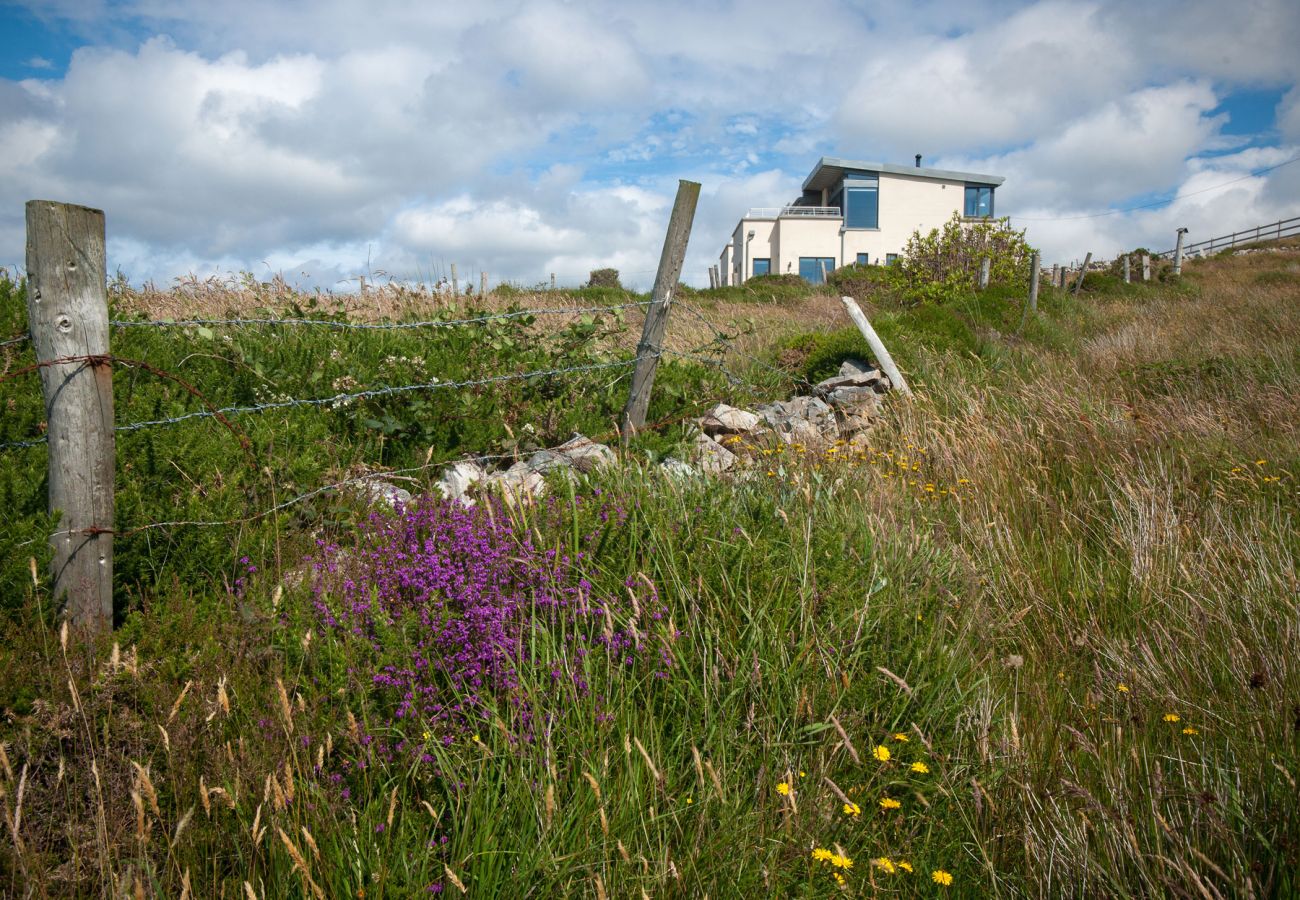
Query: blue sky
523, 138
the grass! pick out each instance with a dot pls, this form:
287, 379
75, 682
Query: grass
1076, 531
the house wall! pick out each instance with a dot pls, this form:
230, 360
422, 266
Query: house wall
725, 265
797, 236
906, 205
760, 247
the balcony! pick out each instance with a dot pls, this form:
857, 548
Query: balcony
780, 212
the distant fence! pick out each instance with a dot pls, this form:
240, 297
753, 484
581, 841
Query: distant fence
1269, 232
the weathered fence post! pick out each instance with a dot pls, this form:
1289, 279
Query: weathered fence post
1178, 252
1146, 266
984, 273
1065, 273
67, 309
482, 283
656, 317
1033, 282
1083, 270
552, 281
1056, 274
455, 282
877, 346
1127, 274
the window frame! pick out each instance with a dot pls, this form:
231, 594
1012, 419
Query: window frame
981, 193
816, 268
767, 265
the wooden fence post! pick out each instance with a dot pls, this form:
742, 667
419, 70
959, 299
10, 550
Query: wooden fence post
656, 317
1127, 274
482, 284
552, 281
1033, 282
984, 273
455, 282
67, 309
877, 346
1178, 252
1056, 274
1078, 283
1146, 266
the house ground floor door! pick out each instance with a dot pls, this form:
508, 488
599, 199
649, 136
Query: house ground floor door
816, 268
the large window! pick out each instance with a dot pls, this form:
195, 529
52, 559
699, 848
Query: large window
979, 201
862, 204
862, 259
762, 266
816, 268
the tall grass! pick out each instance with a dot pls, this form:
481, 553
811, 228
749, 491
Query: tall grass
1035, 640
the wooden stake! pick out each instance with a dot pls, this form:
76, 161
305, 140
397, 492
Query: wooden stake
67, 308
656, 319
482, 283
552, 281
1127, 274
1083, 270
1033, 282
455, 283
1146, 267
984, 273
877, 346
1178, 252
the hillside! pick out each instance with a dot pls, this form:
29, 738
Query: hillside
1036, 639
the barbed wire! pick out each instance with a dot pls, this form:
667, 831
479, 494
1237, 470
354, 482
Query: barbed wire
376, 326
341, 399
18, 339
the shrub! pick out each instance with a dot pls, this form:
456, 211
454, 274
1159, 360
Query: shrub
944, 264
604, 278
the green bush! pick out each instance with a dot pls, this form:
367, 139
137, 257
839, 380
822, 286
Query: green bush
943, 265
606, 278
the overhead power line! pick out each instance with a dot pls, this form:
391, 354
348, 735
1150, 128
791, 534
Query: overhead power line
1153, 205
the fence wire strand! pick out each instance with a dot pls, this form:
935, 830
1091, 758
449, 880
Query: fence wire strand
17, 339
377, 326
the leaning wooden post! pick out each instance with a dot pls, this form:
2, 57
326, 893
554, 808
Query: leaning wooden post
1178, 252
1146, 266
877, 346
656, 317
455, 282
1127, 273
67, 309
1033, 282
984, 273
1078, 282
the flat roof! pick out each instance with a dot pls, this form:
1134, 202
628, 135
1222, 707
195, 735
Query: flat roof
830, 170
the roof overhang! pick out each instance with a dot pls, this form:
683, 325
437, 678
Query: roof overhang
829, 170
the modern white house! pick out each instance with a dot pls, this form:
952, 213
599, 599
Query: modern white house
852, 211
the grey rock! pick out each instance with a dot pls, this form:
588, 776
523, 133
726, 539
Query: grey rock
852, 376
710, 457
853, 398
585, 454
545, 461
801, 420
519, 481
459, 478
678, 470
724, 419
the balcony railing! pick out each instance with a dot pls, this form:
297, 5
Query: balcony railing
777, 212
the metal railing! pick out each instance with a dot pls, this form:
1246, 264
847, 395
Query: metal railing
1270, 232
777, 212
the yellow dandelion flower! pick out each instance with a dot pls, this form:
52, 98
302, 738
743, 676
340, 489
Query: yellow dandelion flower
771, 474
889, 803
1172, 717
1122, 688
905, 865
841, 862
899, 736
1261, 462
939, 876
963, 481
783, 789
839, 879
802, 773
884, 863
920, 768
1190, 730
821, 854
881, 753
1269, 479
852, 809
427, 735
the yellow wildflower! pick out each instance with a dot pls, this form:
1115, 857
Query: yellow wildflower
428, 735
802, 773
821, 854
881, 753
852, 809
920, 768
689, 801
1172, 717
884, 863
841, 862
905, 865
939, 876
1261, 462
889, 803
839, 879
1190, 730
1122, 688
899, 736
783, 789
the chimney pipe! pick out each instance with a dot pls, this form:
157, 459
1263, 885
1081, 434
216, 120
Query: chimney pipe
918, 160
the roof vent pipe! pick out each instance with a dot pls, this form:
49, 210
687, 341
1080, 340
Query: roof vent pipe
918, 160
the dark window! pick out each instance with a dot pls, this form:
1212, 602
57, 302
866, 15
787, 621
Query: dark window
862, 259
762, 266
979, 201
863, 207
816, 268
891, 258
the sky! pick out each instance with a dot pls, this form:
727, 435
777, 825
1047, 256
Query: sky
329, 140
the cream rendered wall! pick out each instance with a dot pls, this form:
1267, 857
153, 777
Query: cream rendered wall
797, 236
760, 247
906, 205
725, 264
